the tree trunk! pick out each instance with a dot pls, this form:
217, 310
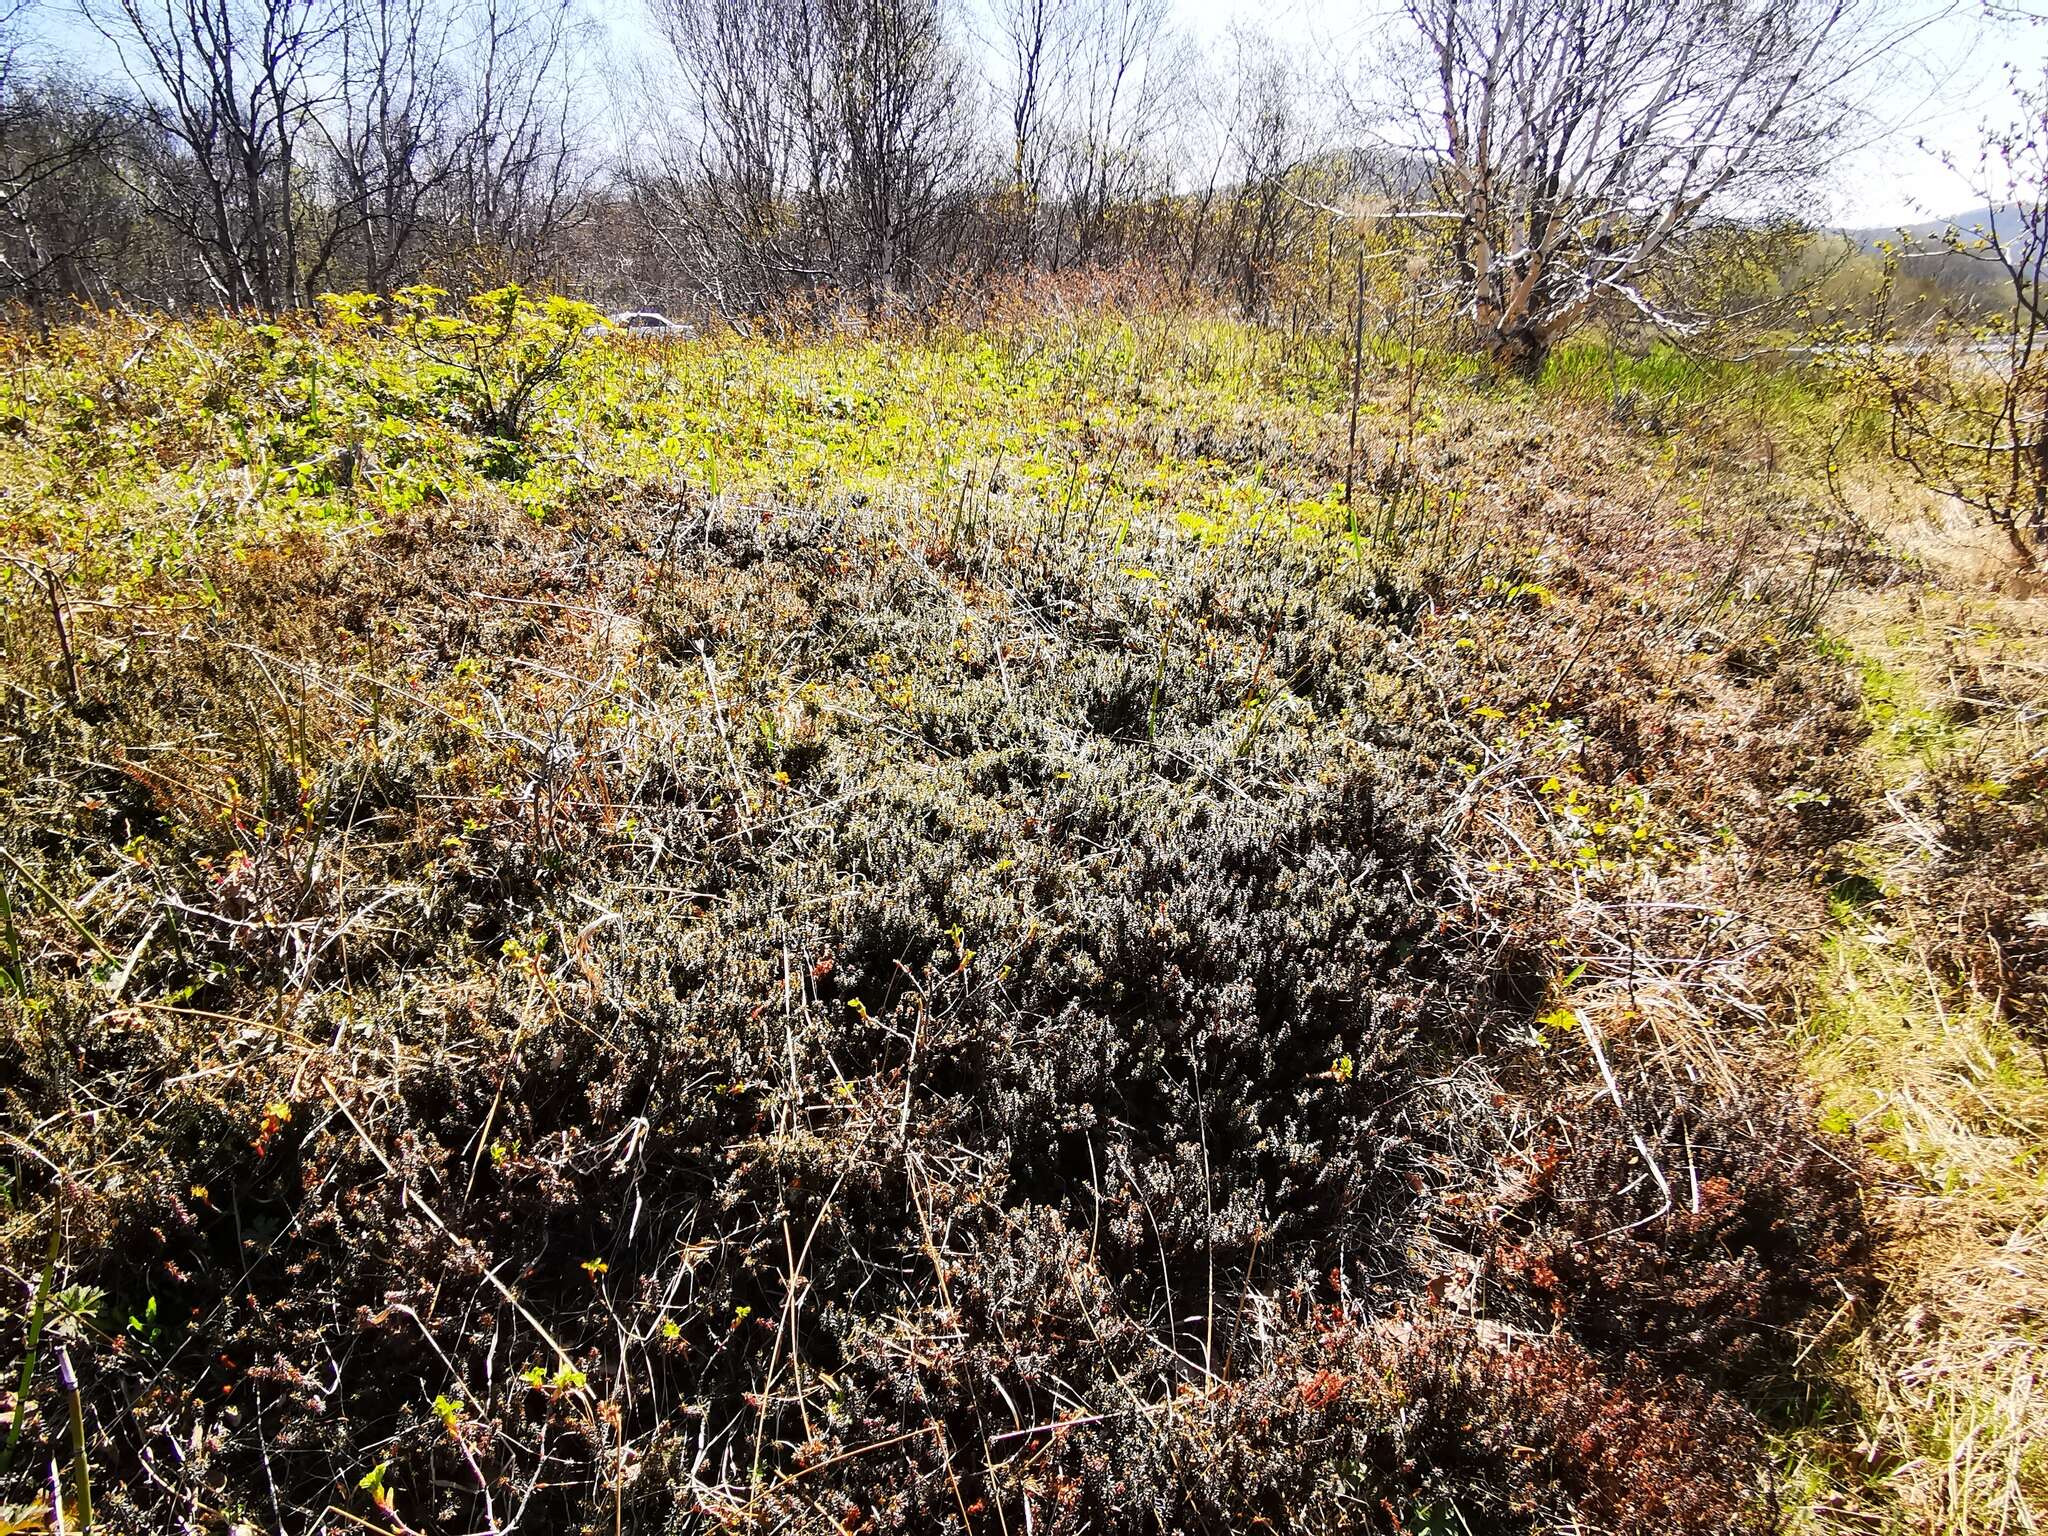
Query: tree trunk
1517, 350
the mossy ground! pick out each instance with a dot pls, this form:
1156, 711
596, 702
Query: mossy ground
922, 930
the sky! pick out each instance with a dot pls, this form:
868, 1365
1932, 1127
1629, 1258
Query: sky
1937, 100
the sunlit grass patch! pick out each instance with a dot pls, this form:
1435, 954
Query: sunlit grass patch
1949, 1375
130, 445
1912, 1032
1906, 723
1672, 379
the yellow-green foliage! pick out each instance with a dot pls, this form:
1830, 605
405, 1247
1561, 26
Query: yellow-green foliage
129, 444
1776, 392
1949, 1372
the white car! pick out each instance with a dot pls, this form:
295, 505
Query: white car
645, 322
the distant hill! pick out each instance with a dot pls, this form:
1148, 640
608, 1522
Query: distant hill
1931, 231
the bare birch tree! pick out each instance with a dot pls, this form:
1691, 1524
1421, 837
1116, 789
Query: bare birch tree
831, 145
1267, 140
65, 216
229, 91
515, 177
1033, 49
392, 134
900, 98
58, 209
1573, 144
1125, 63
711, 180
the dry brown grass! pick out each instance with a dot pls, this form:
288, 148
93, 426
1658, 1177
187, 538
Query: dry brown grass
1910, 968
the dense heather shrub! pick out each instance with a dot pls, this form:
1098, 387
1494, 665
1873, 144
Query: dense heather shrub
1422, 1426
1992, 872
1808, 787
1765, 1234
741, 1018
